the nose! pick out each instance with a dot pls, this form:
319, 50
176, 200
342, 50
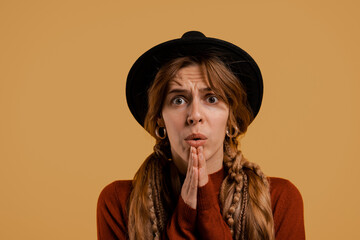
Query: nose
195, 114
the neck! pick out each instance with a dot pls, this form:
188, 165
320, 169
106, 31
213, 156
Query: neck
215, 162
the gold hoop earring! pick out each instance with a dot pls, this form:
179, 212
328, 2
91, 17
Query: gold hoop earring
160, 132
234, 132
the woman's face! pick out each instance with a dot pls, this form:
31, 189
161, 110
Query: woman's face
194, 116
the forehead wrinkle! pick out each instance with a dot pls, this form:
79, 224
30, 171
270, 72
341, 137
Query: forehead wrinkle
192, 79
174, 82
192, 76
195, 72
190, 84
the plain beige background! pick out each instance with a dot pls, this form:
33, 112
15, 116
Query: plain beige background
66, 132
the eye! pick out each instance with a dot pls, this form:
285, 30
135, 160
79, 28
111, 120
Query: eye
178, 101
212, 99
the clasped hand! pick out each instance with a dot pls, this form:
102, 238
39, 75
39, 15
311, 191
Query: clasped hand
196, 176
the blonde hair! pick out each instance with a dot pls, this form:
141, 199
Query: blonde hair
244, 194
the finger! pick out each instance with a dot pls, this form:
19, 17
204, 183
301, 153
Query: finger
195, 182
194, 169
201, 158
190, 161
195, 159
203, 176
189, 190
190, 178
190, 185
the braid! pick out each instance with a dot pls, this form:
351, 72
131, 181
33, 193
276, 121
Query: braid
159, 207
259, 219
245, 198
233, 195
152, 213
158, 191
256, 168
140, 204
240, 227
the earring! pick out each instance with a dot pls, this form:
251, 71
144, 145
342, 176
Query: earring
160, 132
234, 133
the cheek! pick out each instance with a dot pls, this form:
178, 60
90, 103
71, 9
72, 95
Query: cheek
218, 126
219, 133
219, 119
173, 124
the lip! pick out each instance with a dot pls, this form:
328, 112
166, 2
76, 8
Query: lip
196, 139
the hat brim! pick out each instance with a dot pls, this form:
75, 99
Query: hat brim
144, 70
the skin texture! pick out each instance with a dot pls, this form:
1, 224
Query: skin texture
191, 107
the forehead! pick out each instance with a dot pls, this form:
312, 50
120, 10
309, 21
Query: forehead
190, 75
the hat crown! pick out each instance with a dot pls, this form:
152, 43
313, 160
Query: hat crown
192, 35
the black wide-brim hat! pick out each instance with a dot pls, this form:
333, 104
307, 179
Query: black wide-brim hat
193, 43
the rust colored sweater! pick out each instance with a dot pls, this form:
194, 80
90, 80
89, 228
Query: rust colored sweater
206, 222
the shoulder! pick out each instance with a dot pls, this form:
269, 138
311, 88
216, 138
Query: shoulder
115, 194
111, 210
116, 190
288, 209
282, 190
285, 196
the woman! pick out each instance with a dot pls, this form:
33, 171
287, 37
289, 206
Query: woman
196, 96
